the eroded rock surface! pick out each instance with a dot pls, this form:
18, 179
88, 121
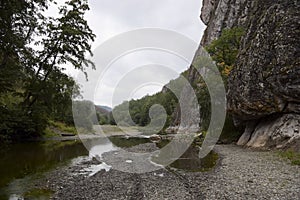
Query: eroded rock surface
266, 76
221, 14
279, 132
264, 86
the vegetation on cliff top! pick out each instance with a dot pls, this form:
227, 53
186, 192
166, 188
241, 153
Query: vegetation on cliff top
225, 49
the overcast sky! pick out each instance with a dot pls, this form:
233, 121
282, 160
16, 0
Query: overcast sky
109, 18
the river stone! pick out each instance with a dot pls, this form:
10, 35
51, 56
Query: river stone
172, 129
155, 138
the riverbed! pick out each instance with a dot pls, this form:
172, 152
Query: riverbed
239, 174
26, 169
89, 170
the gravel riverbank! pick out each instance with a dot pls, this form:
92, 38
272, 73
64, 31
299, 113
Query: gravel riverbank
240, 174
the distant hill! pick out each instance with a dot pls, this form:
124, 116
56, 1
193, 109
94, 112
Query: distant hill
104, 115
103, 109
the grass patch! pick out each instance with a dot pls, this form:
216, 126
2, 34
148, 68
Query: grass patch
56, 128
292, 156
38, 194
63, 127
48, 133
81, 130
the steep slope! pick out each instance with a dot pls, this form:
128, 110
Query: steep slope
103, 109
217, 15
264, 86
221, 14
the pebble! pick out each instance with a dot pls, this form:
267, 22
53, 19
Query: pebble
248, 174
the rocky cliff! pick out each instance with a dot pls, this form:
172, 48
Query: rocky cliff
216, 15
221, 14
264, 86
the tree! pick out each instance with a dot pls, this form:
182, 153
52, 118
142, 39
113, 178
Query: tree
33, 49
224, 50
65, 40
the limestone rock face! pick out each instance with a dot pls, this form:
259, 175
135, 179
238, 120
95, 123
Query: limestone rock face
279, 132
266, 78
217, 15
244, 139
220, 14
265, 82
264, 86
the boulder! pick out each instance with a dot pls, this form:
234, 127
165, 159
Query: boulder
265, 80
155, 138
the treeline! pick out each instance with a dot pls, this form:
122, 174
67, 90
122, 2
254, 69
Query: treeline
223, 51
33, 50
139, 109
104, 115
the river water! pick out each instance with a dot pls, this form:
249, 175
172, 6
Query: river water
23, 163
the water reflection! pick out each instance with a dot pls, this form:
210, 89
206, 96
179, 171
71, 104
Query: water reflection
98, 146
22, 164
19, 160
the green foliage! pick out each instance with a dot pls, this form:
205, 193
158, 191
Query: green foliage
103, 119
63, 127
17, 124
139, 109
33, 50
49, 133
226, 47
292, 156
224, 50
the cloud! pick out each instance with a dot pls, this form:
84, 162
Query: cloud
109, 18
